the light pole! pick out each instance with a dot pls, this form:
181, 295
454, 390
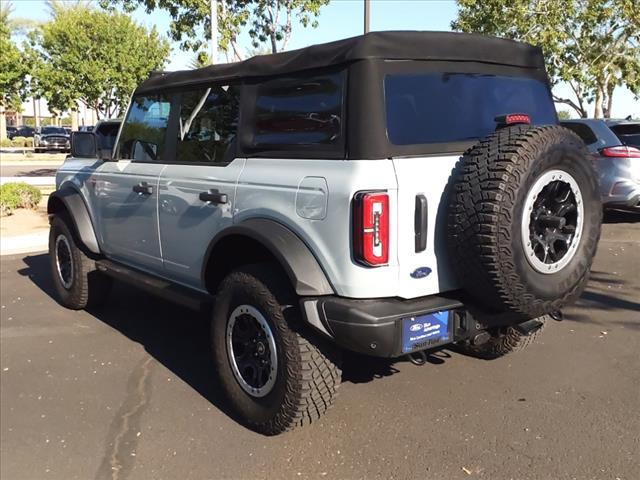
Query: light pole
367, 10
214, 31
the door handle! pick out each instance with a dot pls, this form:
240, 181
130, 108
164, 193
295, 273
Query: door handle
213, 196
421, 224
143, 188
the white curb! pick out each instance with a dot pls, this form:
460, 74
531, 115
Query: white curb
33, 242
35, 181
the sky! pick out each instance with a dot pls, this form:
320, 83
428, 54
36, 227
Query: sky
342, 19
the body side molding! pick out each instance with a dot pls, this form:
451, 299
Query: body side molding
301, 266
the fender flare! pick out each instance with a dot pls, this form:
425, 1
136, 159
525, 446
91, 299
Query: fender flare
300, 265
75, 205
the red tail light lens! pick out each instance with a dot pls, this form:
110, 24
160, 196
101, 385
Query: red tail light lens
512, 119
620, 152
371, 228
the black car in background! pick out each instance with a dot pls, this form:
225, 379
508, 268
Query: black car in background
11, 132
23, 131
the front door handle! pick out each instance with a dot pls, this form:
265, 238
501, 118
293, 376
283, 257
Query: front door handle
143, 188
213, 196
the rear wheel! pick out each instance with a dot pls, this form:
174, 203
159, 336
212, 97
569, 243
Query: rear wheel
276, 374
75, 278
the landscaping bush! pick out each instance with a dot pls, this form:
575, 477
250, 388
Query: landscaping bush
6, 143
18, 141
18, 195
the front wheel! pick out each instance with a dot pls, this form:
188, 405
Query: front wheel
276, 374
75, 278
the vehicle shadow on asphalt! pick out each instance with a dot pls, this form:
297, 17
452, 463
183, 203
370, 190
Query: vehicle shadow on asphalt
617, 216
178, 338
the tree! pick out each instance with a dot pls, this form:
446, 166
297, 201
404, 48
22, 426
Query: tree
592, 45
13, 69
92, 56
564, 115
269, 21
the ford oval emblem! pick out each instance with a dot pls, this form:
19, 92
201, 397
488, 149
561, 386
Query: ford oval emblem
415, 327
420, 272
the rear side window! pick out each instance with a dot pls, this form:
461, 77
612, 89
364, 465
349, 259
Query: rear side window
628, 133
583, 131
207, 125
427, 108
143, 133
299, 112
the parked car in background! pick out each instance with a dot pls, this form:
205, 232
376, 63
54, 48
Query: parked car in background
11, 132
51, 138
615, 145
86, 128
24, 131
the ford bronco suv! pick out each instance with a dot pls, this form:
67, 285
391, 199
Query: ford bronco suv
386, 194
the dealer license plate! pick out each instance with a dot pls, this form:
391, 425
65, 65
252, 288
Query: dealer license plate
425, 331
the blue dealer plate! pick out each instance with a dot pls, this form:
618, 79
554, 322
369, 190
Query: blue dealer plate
425, 331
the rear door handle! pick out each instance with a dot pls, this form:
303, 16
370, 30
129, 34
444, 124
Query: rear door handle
213, 196
143, 188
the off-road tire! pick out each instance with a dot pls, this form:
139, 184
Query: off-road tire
503, 341
489, 188
89, 288
308, 372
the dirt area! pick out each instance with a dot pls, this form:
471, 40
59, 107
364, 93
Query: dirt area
24, 221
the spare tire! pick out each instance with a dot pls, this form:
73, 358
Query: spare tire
524, 220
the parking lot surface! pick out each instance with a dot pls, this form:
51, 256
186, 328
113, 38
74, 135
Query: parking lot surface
127, 392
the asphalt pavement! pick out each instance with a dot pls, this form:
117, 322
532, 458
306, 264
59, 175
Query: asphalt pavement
127, 392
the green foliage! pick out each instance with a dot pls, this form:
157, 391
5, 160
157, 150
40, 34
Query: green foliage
269, 21
13, 67
564, 115
593, 45
93, 56
5, 142
22, 142
18, 195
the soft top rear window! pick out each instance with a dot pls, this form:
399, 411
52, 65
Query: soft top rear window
628, 133
426, 108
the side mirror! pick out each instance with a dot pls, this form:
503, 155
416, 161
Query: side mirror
84, 145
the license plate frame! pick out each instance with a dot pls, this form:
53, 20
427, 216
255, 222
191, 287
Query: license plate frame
425, 331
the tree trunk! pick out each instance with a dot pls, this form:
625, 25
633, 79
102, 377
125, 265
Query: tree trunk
274, 43
74, 120
610, 90
598, 113
3, 124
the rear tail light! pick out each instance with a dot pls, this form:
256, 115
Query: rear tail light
371, 228
620, 152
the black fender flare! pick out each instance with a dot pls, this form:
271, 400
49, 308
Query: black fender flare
75, 205
300, 265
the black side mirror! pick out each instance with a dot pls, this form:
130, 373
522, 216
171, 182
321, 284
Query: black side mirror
84, 145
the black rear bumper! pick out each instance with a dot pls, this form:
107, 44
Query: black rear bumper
374, 326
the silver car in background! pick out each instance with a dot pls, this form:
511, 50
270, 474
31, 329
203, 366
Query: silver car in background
616, 147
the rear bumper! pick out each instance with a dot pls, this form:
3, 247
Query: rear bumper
374, 326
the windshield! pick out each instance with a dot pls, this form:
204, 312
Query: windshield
628, 133
449, 107
53, 130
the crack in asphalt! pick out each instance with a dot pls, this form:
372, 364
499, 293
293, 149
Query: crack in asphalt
123, 435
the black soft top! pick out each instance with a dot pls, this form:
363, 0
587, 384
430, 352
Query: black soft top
402, 45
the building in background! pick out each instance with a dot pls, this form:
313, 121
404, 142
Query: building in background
35, 112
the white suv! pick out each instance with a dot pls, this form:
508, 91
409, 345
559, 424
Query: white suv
387, 194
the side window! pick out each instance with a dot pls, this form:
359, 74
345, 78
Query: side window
207, 125
143, 133
302, 111
583, 131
